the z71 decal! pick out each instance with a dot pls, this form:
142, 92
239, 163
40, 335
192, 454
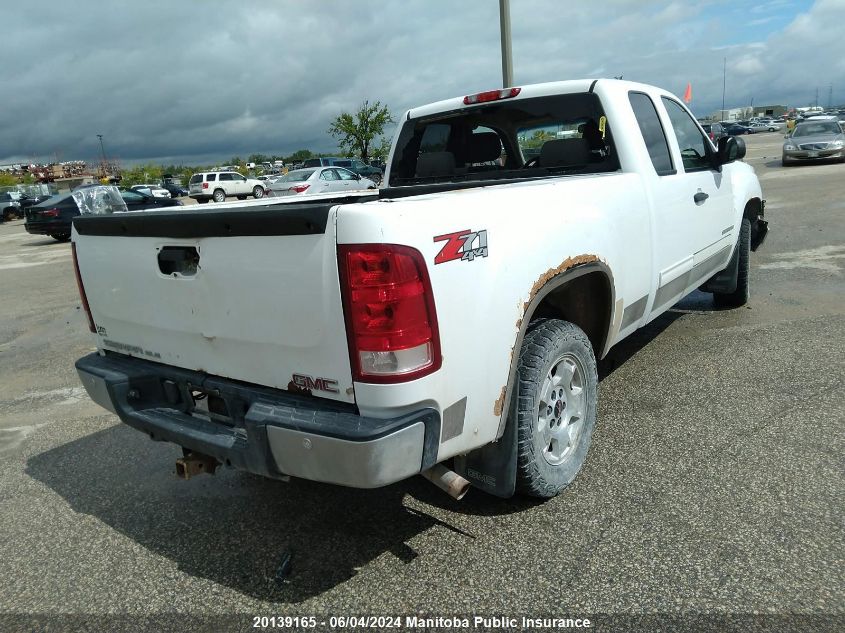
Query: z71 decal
463, 245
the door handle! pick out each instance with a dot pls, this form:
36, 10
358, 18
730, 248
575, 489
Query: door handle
700, 197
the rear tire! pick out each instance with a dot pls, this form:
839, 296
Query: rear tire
9, 214
257, 192
739, 297
60, 237
556, 409
219, 195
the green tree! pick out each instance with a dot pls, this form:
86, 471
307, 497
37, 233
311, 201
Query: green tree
299, 156
8, 180
355, 132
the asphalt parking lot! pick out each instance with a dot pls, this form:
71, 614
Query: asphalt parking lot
714, 485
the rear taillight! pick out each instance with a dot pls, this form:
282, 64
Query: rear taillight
205, 185
391, 323
491, 95
299, 188
79, 285
50, 213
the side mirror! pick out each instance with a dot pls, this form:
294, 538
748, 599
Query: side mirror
731, 148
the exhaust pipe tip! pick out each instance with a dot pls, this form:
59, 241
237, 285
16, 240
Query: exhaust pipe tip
448, 481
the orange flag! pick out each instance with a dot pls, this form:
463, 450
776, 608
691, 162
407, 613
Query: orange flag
688, 93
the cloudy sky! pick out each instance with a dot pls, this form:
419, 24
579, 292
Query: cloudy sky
197, 81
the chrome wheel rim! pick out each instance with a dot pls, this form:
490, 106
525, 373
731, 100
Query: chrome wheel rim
561, 410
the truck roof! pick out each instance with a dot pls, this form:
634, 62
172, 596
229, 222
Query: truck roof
530, 91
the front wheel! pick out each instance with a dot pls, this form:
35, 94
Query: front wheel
739, 297
257, 192
556, 410
219, 195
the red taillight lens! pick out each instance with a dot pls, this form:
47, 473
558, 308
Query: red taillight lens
79, 285
300, 188
491, 95
50, 213
391, 322
205, 185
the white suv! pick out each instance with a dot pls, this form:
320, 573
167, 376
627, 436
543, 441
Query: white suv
217, 185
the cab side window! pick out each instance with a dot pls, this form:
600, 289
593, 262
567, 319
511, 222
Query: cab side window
652, 131
695, 149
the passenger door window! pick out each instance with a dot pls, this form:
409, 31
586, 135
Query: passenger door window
695, 150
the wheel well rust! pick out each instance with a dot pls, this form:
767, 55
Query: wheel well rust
584, 299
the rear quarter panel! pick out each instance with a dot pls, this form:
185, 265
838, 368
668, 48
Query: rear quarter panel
533, 229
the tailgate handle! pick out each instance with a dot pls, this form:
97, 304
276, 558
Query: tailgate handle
178, 261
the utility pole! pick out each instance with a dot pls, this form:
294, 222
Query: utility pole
817, 97
102, 149
505, 28
830, 96
724, 73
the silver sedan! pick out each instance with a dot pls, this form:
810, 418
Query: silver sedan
814, 140
317, 180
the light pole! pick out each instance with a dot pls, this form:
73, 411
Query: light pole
505, 28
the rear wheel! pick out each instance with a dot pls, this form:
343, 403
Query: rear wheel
60, 237
257, 192
9, 214
739, 297
556, 410
219, 195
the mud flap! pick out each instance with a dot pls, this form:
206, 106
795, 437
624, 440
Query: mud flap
492, 468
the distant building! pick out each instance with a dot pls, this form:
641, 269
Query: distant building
729, 114
770, 110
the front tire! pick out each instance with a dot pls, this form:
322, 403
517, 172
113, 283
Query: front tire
556, 410
739, 297
219, 195
257, 192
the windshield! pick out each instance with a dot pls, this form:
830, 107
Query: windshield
296, 176
822, 127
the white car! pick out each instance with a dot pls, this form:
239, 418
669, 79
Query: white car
218, 185
151, 190
317, 180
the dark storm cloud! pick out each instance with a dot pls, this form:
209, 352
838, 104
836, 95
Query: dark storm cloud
192, 80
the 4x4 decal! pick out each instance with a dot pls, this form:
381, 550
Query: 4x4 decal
464, 245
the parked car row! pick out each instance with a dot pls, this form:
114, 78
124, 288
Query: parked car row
54, 216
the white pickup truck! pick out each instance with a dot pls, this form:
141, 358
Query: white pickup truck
448, 324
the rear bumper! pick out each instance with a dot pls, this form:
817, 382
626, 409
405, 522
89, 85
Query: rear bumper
58, 227
267, 431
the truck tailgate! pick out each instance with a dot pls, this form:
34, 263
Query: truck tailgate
249, 293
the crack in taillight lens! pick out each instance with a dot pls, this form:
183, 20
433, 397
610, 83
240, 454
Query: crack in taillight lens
391, 321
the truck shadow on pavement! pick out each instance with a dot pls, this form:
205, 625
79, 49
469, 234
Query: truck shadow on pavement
234, 528
238, 530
